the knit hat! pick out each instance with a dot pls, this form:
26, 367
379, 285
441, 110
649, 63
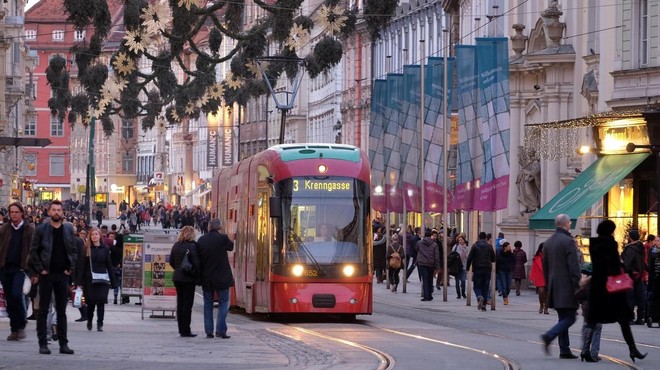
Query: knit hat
633, 234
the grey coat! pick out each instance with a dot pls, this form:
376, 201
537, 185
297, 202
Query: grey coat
42, 247
561, 269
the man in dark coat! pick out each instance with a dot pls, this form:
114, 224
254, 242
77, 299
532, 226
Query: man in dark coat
481, 259
633, 262
216, 277
428, 262
562, 275
15, 239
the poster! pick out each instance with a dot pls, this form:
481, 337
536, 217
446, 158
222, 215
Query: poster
158, 292
131, 277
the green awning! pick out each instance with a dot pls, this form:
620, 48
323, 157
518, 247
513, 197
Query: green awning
586, 189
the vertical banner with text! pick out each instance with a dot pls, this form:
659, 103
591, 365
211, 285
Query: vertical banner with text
158, 292
227, 146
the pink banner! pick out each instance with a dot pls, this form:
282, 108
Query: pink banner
378, 200
493, 195
433, 197
464, 197
413, 197
394, 198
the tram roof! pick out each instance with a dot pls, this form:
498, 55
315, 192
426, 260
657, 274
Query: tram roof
293, 152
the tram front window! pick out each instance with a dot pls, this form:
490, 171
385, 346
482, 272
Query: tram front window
322, 221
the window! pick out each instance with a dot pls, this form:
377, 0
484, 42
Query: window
56, 165
30, 35
56, 126
30, 128
643, 33
127, 163
58, 35
127, 130
78, 35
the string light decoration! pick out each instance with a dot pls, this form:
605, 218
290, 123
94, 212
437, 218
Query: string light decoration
188, 35
559, 139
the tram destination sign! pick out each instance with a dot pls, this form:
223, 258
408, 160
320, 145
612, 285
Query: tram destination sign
322, 186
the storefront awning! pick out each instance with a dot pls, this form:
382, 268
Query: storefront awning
586, 189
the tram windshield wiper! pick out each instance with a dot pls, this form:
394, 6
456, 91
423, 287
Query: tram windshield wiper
301, 246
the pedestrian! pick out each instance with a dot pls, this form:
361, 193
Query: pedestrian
518, 265
605, 307
590, 334
379, 249
99, 217
463, 249
537, 278
53, 256
428, 263
481, 258
95, 259
185, 282
394, 267
81, 236
417, 236
633, 262
561, 270
504, 269
216, 277
15, 239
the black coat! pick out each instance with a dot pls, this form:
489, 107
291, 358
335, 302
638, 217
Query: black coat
100, 258
176, 256
605, 261
215, 272
561, 270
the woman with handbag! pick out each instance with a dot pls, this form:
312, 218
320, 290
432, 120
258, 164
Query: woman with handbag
605, 306
95, 265
184, 259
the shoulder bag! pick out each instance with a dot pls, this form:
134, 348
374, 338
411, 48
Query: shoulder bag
186, 263
98, 277
619, 283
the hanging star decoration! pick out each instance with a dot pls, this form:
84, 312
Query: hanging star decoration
216, 91
232, 81
135, 41
253, 67
332, 18
123, 64
298, 37
112, 88
190, 108
188, 3
161, 123
156, 17
202, 101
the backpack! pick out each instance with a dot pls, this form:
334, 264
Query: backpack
395, 259
454, 263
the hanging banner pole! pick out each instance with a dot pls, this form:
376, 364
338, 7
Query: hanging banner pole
445, 157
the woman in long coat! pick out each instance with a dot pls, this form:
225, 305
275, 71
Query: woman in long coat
604, 307
519, 265
95, 257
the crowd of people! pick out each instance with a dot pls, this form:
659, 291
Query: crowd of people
562, 279
52, 250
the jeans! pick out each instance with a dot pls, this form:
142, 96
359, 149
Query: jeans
12, 282
460, 283
427, 280
504, 280
636, 298
393, 275
411, 268
57, 285
481, 280
566, 318
223, 309
595, 339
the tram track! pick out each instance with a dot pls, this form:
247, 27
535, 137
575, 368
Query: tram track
621, 362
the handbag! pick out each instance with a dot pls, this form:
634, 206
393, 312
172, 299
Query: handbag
98, 277
27, 284
186, 264
619, 283
77, 298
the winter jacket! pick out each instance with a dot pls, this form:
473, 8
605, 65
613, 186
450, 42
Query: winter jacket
505, 261
561, 270
633, 259
536, 273
42, 247
176, 257
519, 263
5, 241
428, 253
215, 271
481, 255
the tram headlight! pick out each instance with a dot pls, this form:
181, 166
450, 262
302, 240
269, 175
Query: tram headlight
349, 270
323, 168
298, 270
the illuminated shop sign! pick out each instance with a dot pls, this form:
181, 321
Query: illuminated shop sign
322, 186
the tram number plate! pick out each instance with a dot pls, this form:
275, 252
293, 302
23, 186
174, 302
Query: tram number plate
311, 273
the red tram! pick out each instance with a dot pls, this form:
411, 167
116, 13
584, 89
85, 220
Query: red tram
299, 216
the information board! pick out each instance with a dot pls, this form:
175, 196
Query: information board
158, 292
131, 273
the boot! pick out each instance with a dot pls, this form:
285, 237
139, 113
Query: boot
541, 301
115, 301
587, 335
53, 329
83, 314
634, 353
35, 313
